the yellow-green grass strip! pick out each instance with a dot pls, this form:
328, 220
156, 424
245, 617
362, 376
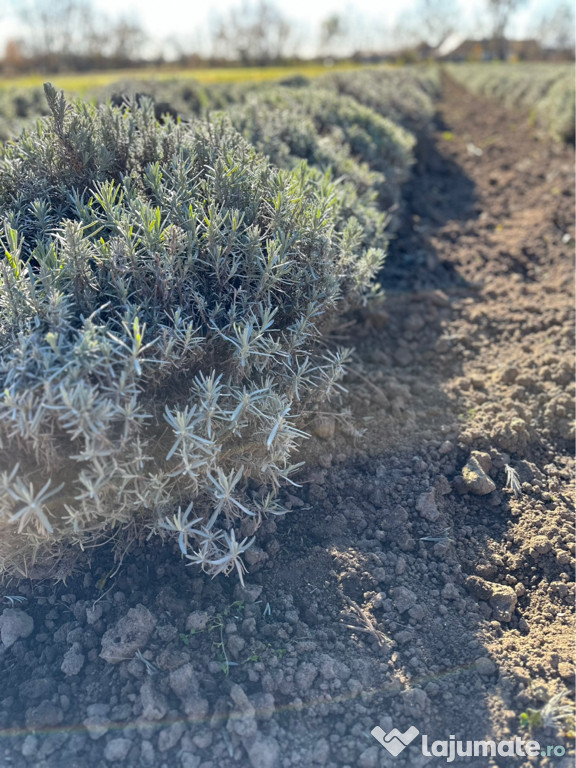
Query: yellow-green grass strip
79, 84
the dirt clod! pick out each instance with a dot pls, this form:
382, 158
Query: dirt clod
475, 478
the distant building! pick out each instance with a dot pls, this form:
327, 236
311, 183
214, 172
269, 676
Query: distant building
490, 50
458, 48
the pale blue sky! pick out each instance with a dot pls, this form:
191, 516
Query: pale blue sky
187, 21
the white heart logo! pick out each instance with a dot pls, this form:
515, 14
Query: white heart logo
394, 741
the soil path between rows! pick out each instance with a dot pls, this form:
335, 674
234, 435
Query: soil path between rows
391, 594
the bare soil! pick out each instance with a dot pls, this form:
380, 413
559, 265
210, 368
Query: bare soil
391, 594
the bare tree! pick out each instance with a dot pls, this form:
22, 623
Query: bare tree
438, 20
71, 34
500, 12
253, 33
556, 29
127, 39
330, 30
55, 28
430, 22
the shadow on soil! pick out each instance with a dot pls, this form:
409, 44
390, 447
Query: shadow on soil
439, 191
373, 560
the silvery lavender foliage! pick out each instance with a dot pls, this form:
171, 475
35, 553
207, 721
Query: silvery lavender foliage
405, 95
367, 154
367, 136
162, 295
348, 125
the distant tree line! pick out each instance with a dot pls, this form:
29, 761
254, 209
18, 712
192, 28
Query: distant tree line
71, 35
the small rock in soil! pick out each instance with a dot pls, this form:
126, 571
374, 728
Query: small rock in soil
94, 613
305, 675
503, 601
248, 593
243, 719
15, 624
30, 745
404, 599
539, 545
479, 587
483, 458
73, 660
485, 666
154, 704
96, 726
445, 448
403, 357
369, 758
321, 752
170, 736
263, 751
147, 753
44, 715
117, 750
128, 635
475, 478
197, 621
426, 505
